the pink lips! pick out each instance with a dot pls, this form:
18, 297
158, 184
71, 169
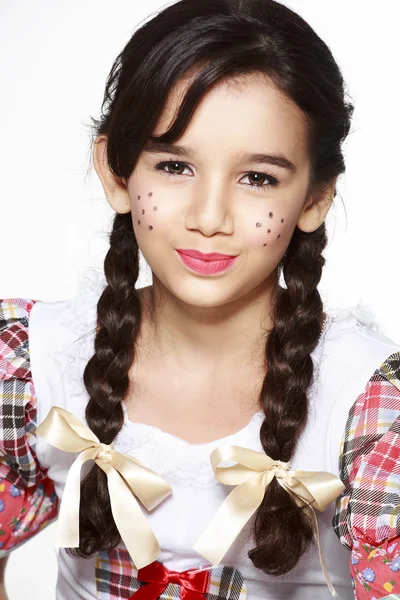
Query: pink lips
206, 264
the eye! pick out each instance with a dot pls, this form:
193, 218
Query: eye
170, 164
273, 182
178, 165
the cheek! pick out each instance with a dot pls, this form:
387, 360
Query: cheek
263, 228
266, 229
146, 212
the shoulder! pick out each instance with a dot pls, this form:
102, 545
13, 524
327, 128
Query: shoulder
353, 348
354, 352
354, 334
369, 449
61, 331
55, 324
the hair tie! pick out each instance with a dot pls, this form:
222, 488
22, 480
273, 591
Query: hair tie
252, 475
126, 478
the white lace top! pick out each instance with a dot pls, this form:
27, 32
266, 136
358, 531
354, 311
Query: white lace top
61, 341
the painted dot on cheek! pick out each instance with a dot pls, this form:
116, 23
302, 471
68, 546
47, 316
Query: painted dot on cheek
142, 211
271, 214
269, 231
264, 244
258, 224
282, 220
155, 208
150, 227
138, 197
150, 194
279, 236
138, 222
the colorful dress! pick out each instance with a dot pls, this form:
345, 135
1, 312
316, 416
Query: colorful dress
353, 431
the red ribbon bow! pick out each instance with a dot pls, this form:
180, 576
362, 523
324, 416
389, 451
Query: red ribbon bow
193, 585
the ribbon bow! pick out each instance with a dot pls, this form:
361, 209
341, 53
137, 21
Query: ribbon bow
254, 472
193, 584
126, 478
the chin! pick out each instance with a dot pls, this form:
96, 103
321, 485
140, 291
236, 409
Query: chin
204, 293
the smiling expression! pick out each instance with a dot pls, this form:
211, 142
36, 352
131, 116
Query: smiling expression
234, 183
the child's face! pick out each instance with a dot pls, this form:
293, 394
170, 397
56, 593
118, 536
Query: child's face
206, 202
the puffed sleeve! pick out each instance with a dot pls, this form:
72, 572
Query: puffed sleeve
367, 516
28, 502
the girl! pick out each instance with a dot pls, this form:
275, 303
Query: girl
219, 149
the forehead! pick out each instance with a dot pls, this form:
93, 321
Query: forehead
238, 114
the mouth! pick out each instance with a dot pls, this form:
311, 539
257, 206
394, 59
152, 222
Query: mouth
206, 257
206, 264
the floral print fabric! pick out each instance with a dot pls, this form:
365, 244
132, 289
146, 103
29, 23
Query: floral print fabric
23, 514
369, 467
376, 570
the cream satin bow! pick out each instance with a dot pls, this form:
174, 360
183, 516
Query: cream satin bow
126, 478
254, 472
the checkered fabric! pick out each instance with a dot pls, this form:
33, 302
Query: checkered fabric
28, 502
18, 462
368, 508
116, 578
367, 512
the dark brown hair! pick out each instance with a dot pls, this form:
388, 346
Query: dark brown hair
217, 39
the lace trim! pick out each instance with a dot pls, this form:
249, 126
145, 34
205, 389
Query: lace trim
172, 457
177, 459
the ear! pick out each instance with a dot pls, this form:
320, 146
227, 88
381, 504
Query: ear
316, 208
114, 187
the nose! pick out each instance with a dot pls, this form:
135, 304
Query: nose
211, 208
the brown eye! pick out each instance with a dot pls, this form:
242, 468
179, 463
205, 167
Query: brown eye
172, 165
255, 178
261, 181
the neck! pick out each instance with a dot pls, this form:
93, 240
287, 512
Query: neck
208, 339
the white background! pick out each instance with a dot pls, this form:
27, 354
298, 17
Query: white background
55, 219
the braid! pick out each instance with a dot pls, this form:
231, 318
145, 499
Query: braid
107, 381
201, 38
282, 530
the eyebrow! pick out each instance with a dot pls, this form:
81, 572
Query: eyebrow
278, 160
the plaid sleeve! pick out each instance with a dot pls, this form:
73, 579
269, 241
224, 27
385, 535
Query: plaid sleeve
27, 497
367, 515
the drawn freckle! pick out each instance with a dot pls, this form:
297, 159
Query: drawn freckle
138, 197
279, 236
150, 227
155, 208
269, 231
138, 222
142, 211
271, 214
258, 224
150, 194
264, 244
281, 220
